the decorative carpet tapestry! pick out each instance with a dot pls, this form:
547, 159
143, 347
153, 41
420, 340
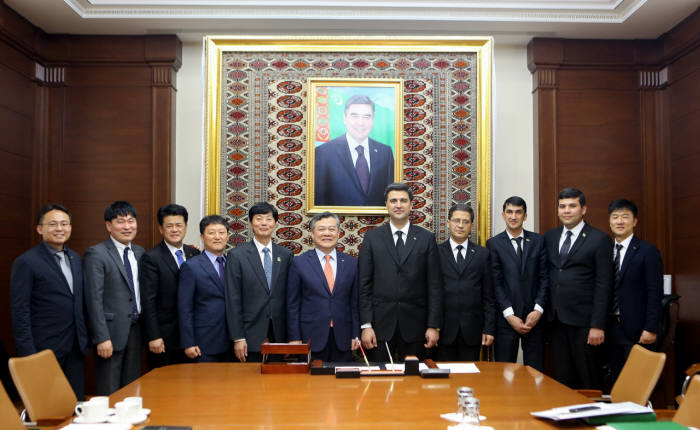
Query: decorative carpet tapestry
264, 126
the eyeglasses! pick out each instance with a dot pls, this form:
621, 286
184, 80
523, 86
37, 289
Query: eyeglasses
54, 224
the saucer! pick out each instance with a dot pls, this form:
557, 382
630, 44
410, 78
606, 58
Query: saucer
137, 419
144, 411
85, 420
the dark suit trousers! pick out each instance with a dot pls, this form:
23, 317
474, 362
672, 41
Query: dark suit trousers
399, 349
170, 356
73, 366
458, 350
506, 346
576, 364
331, 353
619, 346
122, 367
256, 356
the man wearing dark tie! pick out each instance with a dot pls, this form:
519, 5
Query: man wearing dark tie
353, 169
159, 270
200, 296
256, 287
112, 300
400, 283
521, 284
322, 295
580, 276
46, 298
638, 288
470, 313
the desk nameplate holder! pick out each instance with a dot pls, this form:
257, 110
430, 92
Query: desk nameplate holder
284, 349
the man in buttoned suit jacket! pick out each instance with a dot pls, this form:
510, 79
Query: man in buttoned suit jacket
638, 289
47, 310
111, 302
336, 179
401, 293
580, 288
469, 319
200, 296
521, 285
256, 311
322, 312
158, 275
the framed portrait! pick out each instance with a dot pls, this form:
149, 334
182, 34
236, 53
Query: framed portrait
353, 144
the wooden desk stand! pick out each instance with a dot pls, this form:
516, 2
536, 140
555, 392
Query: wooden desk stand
282, 349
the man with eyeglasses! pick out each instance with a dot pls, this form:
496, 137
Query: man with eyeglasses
159, 270
112, 300
46, 298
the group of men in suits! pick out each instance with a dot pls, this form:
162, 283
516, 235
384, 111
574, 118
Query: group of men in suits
405, 295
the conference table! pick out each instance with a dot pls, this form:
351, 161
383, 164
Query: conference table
233, 396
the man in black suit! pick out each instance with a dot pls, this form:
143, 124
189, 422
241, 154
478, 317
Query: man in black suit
46, 298
400, 283
112, 300
521, 284
159, 269
580, 275
256, 287
470, 311
353, 169
638, 287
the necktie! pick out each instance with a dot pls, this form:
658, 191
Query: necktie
362, 168
564, 251
65, 268
130, 278
221, 261
267, 266
180, 260
519, 252
616, 264
399, 243
460, 257
328, 271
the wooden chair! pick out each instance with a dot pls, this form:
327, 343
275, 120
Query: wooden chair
9, 417
688, 413
43, 387
637, 379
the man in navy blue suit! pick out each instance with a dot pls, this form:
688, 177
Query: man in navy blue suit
46, 298
322, 295
638, 287
353, 169
521, 283
201, 304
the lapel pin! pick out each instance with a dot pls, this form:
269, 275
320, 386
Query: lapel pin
584, 234
414, 238
279, 259
527, 240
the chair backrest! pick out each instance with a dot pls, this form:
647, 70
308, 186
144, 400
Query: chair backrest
639, 376
688, 413
43, 387
9, 417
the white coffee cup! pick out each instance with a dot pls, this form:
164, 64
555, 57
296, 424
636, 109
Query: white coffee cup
92, 411
138, 401
102, 400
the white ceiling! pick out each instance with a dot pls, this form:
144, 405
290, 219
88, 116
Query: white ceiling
508, 21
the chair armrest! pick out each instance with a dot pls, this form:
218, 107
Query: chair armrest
664, 414
590, 393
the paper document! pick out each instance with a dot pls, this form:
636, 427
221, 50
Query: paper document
102, 426
459, 367
587, 410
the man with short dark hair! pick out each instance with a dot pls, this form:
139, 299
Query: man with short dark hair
46, 298
112, 300
322, 295
401, 293
638, 287
159, 270
580, 276
353, 169
521, 284
470, 319
200, 296
256, 287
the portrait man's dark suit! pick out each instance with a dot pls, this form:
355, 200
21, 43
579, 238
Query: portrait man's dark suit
335, 179
639, 292
579, 297
251, 306
311, 306
520, 284
108, 300
400, 295
468, 300
202, 309
46, 314
158, 277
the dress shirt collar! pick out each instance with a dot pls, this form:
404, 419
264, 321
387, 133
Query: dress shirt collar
575, 231
352, 143
454, 245
625, 243
172, 250
511, 237
404, 230
53, 250
120, 246
212, 257
322, 255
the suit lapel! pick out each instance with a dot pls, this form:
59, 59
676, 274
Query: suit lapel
410, 243
373, 161
117, 259
629, 254
276, 263
446, 249
53, 264
579, 241
554, 247
346, 161
315, 265
388, 240
510, 250
256, 264
469, 256
527, 244
211, 271
168, 258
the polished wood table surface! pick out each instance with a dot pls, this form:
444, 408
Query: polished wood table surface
232, 395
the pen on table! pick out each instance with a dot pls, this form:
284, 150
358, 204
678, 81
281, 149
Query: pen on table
364, 355
584, 408
389, 353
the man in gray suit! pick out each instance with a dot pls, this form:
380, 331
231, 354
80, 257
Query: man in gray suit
256, 287
113, 300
